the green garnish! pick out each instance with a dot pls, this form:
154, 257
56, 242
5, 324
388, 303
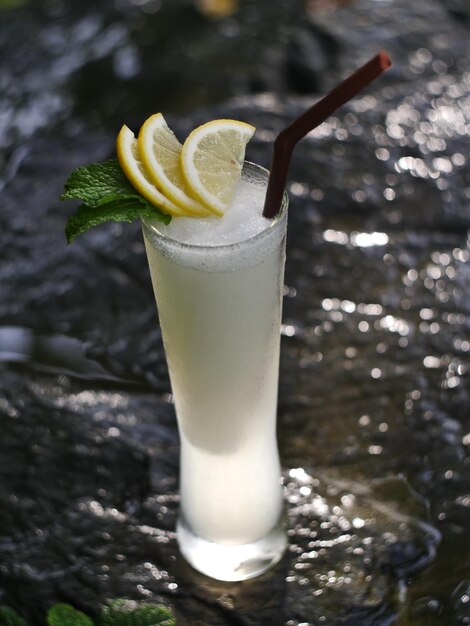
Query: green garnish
107, 195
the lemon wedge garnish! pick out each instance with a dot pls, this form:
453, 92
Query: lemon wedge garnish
212, 159
160, 151
131, 164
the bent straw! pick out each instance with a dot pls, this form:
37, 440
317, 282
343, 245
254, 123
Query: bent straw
313, 117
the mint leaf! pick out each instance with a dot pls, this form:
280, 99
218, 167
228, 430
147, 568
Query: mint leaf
9, 617
87, 217
66, 615
107, 196
128, 613
92, 183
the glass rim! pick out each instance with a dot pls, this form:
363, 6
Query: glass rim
147, 223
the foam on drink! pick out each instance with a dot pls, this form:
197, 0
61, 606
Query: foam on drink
243, 219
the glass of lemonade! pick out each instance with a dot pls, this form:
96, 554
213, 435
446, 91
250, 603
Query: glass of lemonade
218, 286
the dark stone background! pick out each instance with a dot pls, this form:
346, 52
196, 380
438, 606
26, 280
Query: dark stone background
374, 424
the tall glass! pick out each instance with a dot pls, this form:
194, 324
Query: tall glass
220, 314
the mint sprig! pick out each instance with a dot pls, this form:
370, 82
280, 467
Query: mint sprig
107, 195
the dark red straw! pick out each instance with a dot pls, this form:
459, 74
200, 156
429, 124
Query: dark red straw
313, 117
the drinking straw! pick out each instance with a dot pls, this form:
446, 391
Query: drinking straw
313, 117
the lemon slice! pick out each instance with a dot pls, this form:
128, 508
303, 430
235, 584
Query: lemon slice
160, 152
132, 166
212, 159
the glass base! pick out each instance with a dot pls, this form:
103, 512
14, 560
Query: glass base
232, 563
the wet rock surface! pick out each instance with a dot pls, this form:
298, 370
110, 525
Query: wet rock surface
374, 392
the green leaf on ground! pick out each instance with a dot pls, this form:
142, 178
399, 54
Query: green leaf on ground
9, 617
66, 615
129, 613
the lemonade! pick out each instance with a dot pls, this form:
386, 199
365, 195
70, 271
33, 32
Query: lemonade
215, 243
217, 270
218, 286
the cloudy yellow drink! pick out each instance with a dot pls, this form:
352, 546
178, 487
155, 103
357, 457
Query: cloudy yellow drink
218, 284
217, 270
